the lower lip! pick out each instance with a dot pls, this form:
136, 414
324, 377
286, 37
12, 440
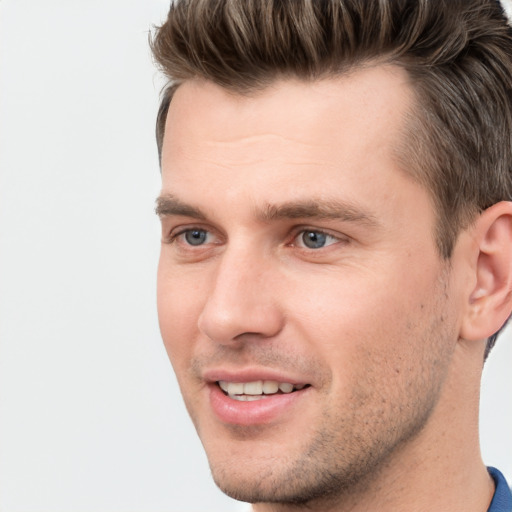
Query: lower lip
256, 412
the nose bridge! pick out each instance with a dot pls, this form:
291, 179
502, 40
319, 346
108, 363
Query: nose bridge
240, 300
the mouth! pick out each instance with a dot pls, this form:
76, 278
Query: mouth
253, 397
257, 390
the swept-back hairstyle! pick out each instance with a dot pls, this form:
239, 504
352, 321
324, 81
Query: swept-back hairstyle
457, 54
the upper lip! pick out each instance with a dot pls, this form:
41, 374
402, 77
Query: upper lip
251, 375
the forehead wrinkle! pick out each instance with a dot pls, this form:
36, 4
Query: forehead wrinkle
219, 156
247, 163
260, 139
316, 209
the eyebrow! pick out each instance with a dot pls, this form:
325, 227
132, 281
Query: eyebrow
319, 209
168, 205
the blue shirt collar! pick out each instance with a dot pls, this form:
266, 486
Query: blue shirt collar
502, 500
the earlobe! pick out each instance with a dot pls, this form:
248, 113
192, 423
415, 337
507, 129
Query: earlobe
490, 302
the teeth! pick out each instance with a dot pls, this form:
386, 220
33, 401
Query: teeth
246, 398
235, 388
247, 391
270, 387
286, 387
253, 388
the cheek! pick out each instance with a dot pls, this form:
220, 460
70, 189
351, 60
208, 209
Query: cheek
353, 321
178, 304
347, 308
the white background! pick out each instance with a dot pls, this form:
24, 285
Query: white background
90, 415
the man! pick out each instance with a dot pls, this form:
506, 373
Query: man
337, 244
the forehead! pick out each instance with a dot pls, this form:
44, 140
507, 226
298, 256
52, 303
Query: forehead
293, 132
364, 97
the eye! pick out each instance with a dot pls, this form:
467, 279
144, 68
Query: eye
315, 239
195, 236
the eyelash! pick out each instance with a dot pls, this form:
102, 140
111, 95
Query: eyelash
173, 237
320, 232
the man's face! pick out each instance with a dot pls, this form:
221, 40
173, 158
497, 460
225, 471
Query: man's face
299, 270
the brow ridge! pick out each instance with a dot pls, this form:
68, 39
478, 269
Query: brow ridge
317, 209
168, 205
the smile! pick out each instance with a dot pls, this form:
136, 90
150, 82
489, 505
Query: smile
257, 390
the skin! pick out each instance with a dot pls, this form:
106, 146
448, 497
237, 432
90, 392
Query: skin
373, 320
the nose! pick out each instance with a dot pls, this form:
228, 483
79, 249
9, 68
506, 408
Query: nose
242, 303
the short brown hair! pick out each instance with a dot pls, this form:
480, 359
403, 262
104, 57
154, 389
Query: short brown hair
457, 53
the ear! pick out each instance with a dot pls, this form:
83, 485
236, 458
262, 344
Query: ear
490, 302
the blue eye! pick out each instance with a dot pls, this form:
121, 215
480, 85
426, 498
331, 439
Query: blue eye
314, 239
196, 236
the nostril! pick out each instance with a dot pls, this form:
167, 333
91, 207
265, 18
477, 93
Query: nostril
246, 321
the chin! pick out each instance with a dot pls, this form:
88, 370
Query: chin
282, 484
251, 467
261, 471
